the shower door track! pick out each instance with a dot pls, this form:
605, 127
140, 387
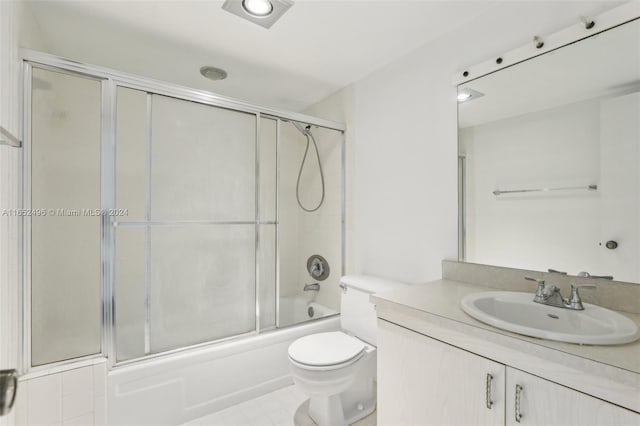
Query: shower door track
133, 81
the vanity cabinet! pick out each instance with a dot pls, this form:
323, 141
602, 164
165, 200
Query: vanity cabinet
541, 402
424, 381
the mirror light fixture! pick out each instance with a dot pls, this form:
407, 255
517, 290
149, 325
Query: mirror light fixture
466, 94
262, 12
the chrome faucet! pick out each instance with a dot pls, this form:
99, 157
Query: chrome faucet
312, 287
550, 295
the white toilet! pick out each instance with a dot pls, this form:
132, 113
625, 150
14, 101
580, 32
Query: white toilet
337, 370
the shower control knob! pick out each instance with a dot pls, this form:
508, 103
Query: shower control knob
318, 267
611, 245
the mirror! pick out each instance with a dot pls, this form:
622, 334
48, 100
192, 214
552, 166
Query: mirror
549, 157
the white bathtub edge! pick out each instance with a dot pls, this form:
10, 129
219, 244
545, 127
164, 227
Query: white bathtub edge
193, 383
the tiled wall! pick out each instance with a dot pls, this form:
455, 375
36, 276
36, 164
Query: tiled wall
69, 398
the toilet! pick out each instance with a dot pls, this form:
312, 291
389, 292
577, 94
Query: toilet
337, 370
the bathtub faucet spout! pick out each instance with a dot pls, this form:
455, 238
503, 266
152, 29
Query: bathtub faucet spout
312, 287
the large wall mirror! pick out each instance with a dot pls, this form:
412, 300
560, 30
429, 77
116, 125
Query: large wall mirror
549, 156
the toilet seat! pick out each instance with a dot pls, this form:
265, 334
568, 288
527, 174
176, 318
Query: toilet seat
330, 350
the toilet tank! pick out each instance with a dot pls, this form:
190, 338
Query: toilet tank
357, 313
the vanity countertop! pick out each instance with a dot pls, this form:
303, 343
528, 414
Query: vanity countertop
433, 309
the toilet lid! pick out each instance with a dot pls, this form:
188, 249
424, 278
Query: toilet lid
324, 349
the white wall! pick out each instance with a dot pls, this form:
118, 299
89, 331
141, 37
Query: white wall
405, 183
403, 131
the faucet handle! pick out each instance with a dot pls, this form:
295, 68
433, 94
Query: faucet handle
540, 293
574, 301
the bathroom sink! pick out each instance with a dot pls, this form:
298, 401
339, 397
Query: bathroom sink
518, 313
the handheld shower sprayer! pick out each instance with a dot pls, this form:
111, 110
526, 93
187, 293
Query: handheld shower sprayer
306, 131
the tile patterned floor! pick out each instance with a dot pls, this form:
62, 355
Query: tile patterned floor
273, 409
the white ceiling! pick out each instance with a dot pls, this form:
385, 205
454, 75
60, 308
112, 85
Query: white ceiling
317, 47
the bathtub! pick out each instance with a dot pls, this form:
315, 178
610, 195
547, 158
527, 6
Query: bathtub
177, 388
295, 310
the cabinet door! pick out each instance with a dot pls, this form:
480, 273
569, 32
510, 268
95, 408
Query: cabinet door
422, 381
541, 402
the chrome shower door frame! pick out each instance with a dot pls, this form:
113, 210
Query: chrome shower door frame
110, 81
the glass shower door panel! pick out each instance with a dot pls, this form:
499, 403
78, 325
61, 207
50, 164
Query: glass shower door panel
131, 154
268, 170
130, 292
267, 268
202, 284
65, 243
202, 162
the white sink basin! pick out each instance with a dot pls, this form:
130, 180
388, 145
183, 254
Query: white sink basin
516, 312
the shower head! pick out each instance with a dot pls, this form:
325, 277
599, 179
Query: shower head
305, 130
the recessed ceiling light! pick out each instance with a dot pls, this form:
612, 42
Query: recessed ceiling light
466, 94
258, 7
262, 12
213, 73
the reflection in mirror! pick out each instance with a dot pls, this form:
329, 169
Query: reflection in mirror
549, 154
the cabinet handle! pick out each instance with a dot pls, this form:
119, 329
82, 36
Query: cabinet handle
488, 400
518, 414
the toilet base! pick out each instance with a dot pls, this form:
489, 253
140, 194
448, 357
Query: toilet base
301, 417
355, 402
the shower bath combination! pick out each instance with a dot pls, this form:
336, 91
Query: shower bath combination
241, 233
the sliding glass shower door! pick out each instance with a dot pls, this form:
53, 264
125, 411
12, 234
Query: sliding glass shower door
187, 244
158, 218
64, 190
188, 241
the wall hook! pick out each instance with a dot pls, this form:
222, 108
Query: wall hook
538, 42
